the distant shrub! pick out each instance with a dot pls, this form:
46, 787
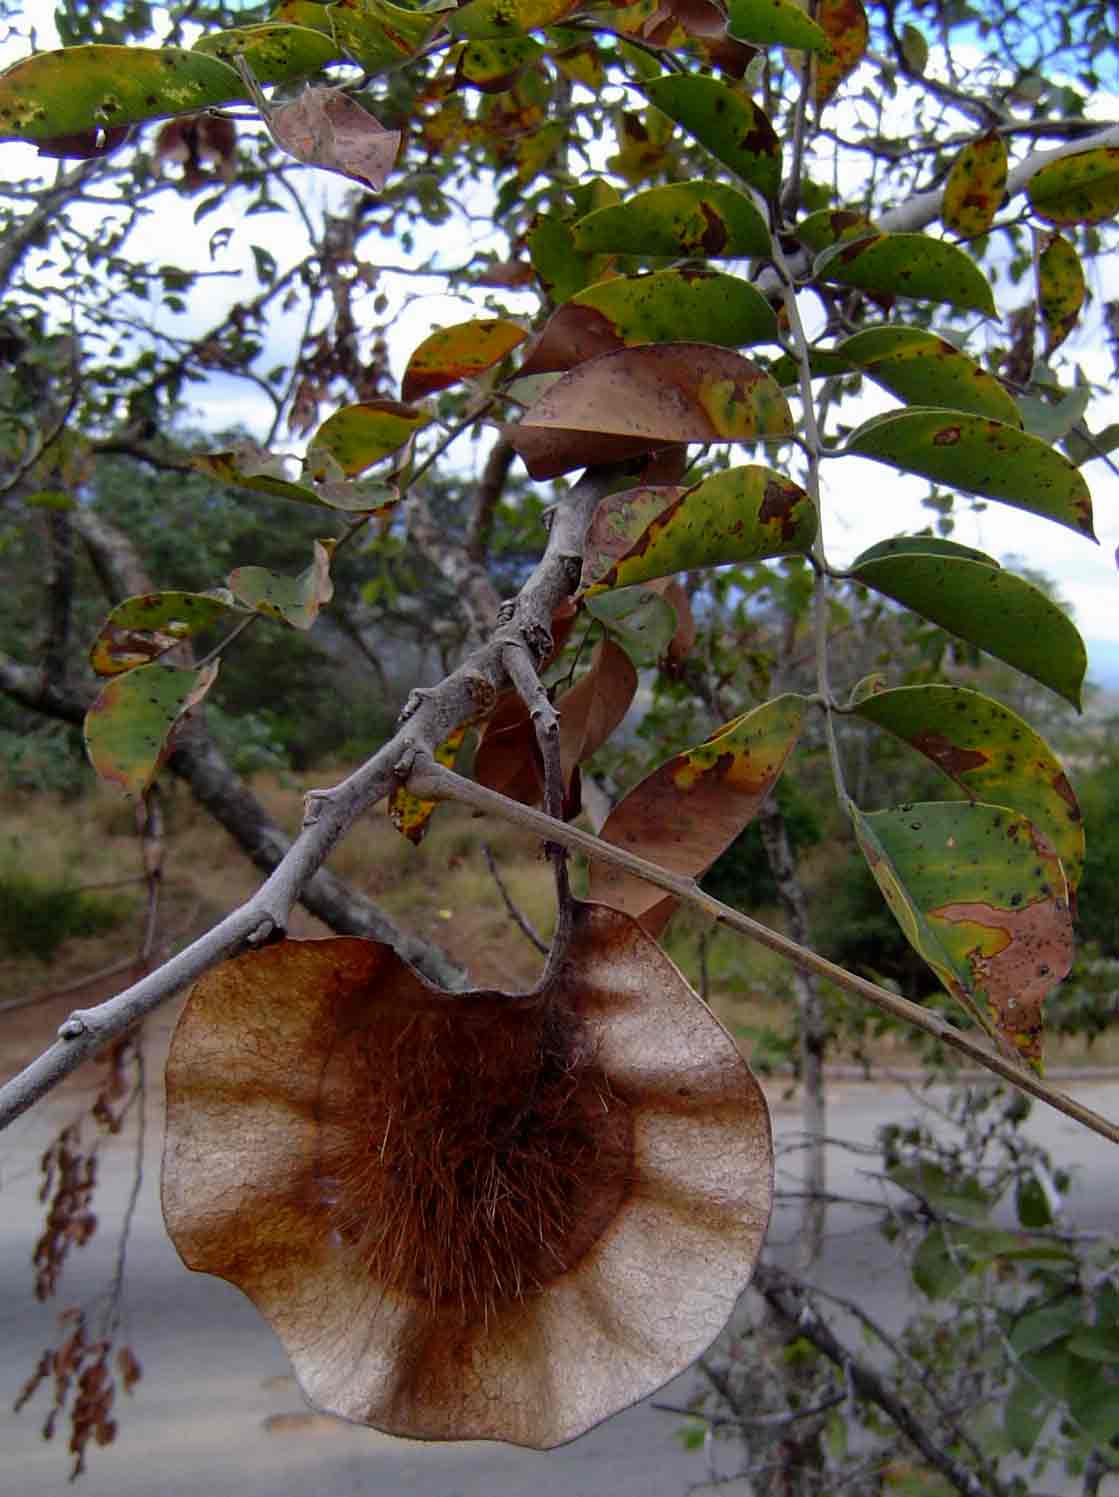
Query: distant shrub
36, 917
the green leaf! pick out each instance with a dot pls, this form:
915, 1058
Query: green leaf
665, 306
1026, 1414
378, 35
293, 600
66, 92
690, 809
938, 1270
128, 727
496, 18
640, 620
774, 23
914, 48
994, 609
742, 514
1060, 289
1078, 189
249, 468
274, 53
921, 545
459, 352
913, 265
1096, 1344
983, 901
1041, 1327
562, 268
976, 185
725, 120
828, 226
684, 218
991, 754
357, 436
140, 629
1053, 423
980, 456
1031, 1202
924, 370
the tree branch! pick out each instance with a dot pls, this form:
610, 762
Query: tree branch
432, 781
428, 718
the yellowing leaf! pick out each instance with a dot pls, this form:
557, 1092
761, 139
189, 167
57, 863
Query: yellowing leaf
1078, 189
924, 370
984, 901
142, 628
690, 810
459, 352
72, 90
844, 23
276, 53
410, 813
293, 600
976, 184
1060, 289
379, 35
128, 727
357, 436
497, 18
779, 23
743, 514
663, 307
991, 754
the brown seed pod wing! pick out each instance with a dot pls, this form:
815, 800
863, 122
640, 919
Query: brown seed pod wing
476, 1215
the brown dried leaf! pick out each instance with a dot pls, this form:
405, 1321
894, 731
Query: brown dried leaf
329, 129
469, 1215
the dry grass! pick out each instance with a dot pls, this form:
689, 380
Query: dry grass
442, 890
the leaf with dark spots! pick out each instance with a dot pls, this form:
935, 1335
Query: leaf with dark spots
689, 811
980, 456
725, 120
76, 90
742, 514
682, 218
976, 185
140, 629
992, 608
617, 524
662, 307
924, 370
914, 265
1082, 188
992, 754
983, 900
128, 728
845, 26
85, 145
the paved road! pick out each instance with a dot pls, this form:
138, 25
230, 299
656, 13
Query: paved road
217, 1412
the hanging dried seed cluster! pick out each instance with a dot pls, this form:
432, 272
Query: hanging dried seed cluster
469, 1215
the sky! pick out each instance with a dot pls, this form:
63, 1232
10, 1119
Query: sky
862, 501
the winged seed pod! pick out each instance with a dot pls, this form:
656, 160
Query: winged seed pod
469, 1215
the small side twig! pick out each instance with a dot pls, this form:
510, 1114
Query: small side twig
518, 917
